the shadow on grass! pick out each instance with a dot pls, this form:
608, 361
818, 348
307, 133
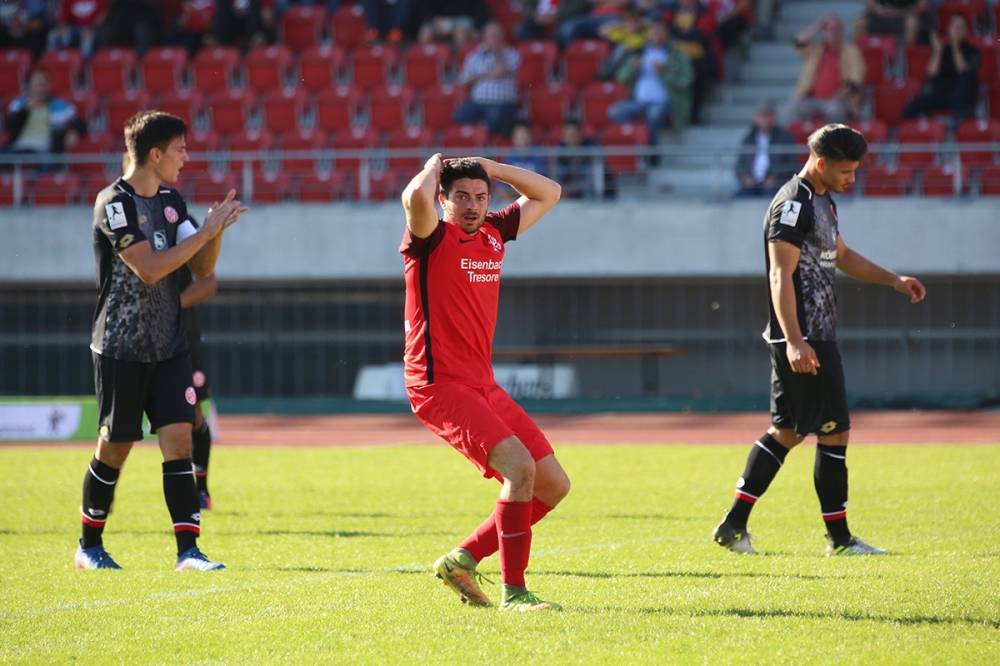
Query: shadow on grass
918, 620
421, 572
678, 574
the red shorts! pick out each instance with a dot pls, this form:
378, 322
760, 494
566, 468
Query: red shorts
474, 419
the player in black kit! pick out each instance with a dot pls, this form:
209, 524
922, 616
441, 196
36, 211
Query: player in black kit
141, 361
803, 250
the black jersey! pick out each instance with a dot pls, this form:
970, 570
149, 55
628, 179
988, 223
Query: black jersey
809, 222
135, 321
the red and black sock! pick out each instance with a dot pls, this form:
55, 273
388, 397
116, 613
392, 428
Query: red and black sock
830, 477
201, 447
765, 459
514, 527
182, 501
486, 539
98, 493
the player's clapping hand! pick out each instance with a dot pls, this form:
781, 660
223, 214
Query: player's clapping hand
911, 287
222, 215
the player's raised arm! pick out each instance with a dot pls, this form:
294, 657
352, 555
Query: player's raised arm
538, 193
860, 268
419, 197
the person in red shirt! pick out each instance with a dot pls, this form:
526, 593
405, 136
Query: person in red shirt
452, 275
78, 20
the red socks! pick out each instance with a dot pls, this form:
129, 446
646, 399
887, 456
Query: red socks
486, 539
514, 525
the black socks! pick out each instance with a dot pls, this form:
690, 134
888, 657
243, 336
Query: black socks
201, 446
765, 459
182, 501
98, 493
830, 477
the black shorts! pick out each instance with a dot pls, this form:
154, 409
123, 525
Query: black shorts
126, 389
198, 377
809, 404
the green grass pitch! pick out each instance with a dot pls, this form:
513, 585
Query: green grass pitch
329, 554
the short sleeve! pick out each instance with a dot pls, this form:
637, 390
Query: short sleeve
414, 247
507, 221
789, 220
119, 222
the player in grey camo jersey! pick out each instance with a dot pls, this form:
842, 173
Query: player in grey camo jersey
803, 250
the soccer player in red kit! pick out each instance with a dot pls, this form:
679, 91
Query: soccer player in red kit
452, 269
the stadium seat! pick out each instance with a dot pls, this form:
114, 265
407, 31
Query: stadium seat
56, 189
425, 65
989, 72
271, 187
268, 67
939, 181
216, 68
382, 186
538, 62
88, 106
320, 67
801, 129
989, 181
201, 142
301, 26
186, 103
597, 96
994, 100
409, 138
978, 131
92, 185
624, 134
285, 109
231, 109
549, 104
348, 26
464, 136
102, 143
389, 107
917, 58
14, 67
111, 70
890, 97
304, 139
213, 187
321, 187
505, 14
124, 104
357, 138
879, 53
371, 66
973, 11
63, 68
7, 190
920, 132
336, 108
584, 59
164, 69
249, 141
876, 133
887, 181
439, 103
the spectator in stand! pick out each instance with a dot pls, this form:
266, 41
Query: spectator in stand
904, 19
135, 22
832, 80
576, 172
244, 23
659, 78
544, 18
451, 20
586, 26
387, 19
194, 25
490, 71
523, 141
24, 24
40, 123
952, 73
627, 35
692, 27
76, 25
761, 173
733, 17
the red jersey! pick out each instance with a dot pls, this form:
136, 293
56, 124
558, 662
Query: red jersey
452, 290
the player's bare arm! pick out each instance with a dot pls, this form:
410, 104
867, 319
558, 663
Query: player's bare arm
784, 259
200, 290
419, 197
538, 193
858, 267
219, 217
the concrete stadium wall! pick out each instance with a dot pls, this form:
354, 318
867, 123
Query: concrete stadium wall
578, 239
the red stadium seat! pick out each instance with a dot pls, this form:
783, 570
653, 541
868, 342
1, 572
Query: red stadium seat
595, 100
879, 53
201, 142
112, 70
989, 71
887, 181
465, 136
584, 59
88, 105
978, 131
322, 187
56, 189
409, 138
890, 97
337, 108
97, 143
302, 26
549, 104
939, 181
304, 139
271, 187
389, 107
538, 62
801, 129
624, 134
383, 186
989, 181
268, 67
917, 58
973, 11
186, 103
213, 187
348, 26
285, 108
216, 68
124, 104
371, 66
357, 138
320, 67
249, 141
164, 68
425, 65
506, 15
91, 186
439, 104
876, 133
231, 109
14, 66
920, 132
994, 100
63, 68
7, 190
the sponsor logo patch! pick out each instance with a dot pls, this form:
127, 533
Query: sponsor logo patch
829, 426
104, 431
171, 215
116, 215
159, 240
125, 241
198, 378
143, 219
190, 395
790, 213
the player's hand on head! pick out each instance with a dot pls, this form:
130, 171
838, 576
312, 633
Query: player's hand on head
435, 162
912, 287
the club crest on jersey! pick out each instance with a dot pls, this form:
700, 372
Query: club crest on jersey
116, 215
198, 378
171, 214
494, 243
159, 240
190, 395
790, 213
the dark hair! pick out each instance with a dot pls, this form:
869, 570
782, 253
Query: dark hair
151, 129
463, 167
836, 143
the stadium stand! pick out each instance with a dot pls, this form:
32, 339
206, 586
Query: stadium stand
887, 181
538, 63
268, 67
439, 102
389, 107
231, 109
426, 65
353, 138
408, 138
584, 60
164, 69
939, 181
322, 187
285, 109
112, 70
348, 26
337, 108
14, 67
64, 69
372, 66
122, 105
920, 132
56, 189
596, 98
216, 68
301, 27
186, 103
303, 139
549, 104
320, 67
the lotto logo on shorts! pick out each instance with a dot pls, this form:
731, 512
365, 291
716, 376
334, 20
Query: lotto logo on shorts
190, 395
198, 378
171, 215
